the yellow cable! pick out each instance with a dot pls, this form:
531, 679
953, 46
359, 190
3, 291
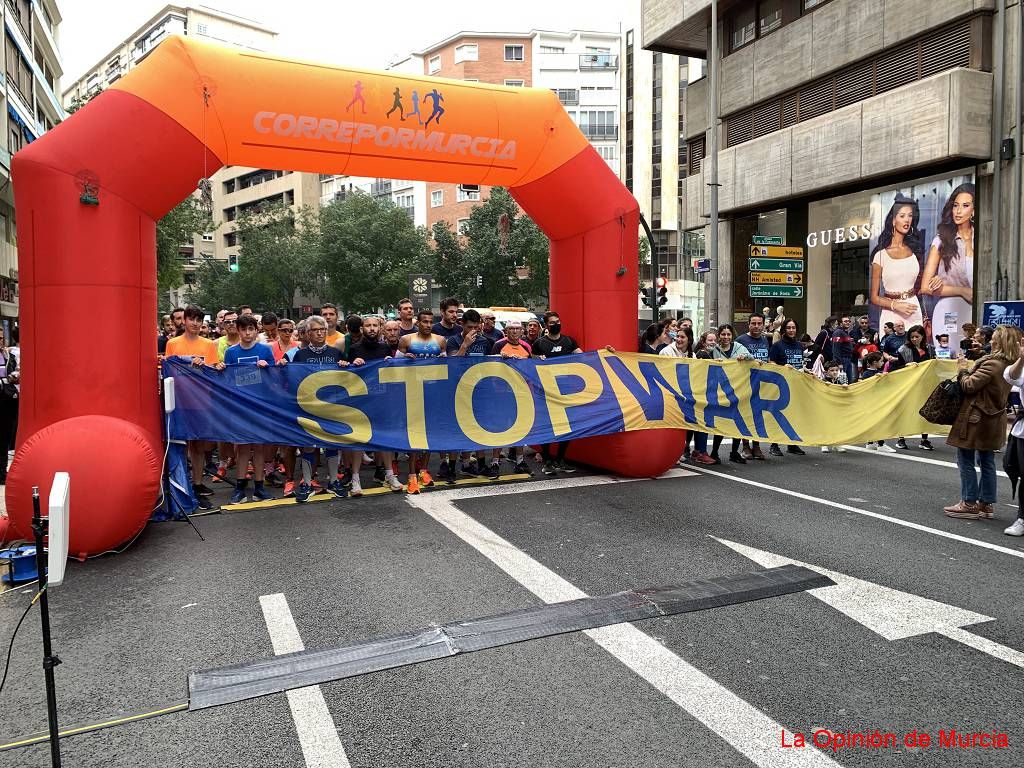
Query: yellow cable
94, 726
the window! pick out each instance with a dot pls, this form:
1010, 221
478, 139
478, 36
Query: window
15, 140
19, 74
22, 12
467, 192
810, 5
744, 28
607, 152
405, 201
202, 29
598, 124
516, 83
461, 225
513, 53
434, 64
551, 49
568, 96
208, 237
471, 79
769, 16
437, 198
466, 52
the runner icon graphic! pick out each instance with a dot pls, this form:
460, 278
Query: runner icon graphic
438, 110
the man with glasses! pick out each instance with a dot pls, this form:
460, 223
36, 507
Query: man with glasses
230, 337
318, 352
487, 321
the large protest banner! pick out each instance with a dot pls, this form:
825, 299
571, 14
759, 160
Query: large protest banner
462, 404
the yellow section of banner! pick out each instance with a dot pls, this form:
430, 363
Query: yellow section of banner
768, 402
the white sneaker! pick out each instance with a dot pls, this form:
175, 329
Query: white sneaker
393, 483
886, 448
1017, 529
357, 487
825, 449
840, 448
871, 446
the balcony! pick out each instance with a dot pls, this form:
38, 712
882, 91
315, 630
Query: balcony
600, 132
603, 61
570, 97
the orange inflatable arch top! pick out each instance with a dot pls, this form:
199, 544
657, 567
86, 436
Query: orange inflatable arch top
190, 108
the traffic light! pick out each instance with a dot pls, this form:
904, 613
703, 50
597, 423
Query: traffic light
648, 296
662, 283
233, 262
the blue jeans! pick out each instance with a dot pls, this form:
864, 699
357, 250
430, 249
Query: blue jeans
965, 458
700, 442
851, 371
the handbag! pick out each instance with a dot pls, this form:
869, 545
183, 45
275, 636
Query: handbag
943, 404
8, 391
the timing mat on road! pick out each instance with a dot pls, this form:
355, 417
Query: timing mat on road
227, 685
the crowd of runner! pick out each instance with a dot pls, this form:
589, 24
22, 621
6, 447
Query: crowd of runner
238, 337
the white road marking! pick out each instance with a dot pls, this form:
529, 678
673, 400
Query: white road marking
318, 735
888, 612
535, 486
918, 459
867, 513
740, 724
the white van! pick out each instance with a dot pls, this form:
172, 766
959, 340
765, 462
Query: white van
503, 315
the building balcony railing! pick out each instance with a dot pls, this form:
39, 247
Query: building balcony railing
609, 61
601, 132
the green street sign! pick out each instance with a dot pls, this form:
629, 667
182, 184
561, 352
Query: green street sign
776, 291
775, 265
769, 240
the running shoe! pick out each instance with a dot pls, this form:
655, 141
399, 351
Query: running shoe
240, 495
204, 503
289, 489
494, 472
210, 469
202, 490
902, 444
260, 494
356, 489
774, 450
470, 468
523, 468
345, 476
550, 468
564, 466
413, 486
796, 450
756, 453
1017, 529
701, 458
220, 476
380, 474
425, 479
926, 445
315, 487
338, 489
444, 472
393, 483
736, 458
886, 448
303, 492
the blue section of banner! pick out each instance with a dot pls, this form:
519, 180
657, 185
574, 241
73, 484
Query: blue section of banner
456, 404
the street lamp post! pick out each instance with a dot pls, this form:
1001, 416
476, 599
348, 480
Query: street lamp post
711, 160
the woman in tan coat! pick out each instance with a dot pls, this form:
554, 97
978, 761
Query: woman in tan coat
980, 426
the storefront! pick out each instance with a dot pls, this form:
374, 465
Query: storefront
901, 252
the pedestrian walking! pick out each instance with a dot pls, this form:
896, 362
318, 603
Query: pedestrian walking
1014, 456
980, 426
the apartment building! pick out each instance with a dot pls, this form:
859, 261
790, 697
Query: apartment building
835, 118
406, 194
580, 66
653, 162
34, 69
235, 189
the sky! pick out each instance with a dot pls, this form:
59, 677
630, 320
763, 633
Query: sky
366, 34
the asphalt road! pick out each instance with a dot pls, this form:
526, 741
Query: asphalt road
715, 688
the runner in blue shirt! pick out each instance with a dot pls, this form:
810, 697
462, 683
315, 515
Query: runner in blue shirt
248, 351
757, 345
788, 351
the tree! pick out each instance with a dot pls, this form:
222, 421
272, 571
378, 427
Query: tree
502, 241
174, 230
449, 262
277, 257
367, 249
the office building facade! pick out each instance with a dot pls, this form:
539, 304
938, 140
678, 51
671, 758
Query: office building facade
836, 118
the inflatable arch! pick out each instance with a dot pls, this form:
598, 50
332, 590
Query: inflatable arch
140, 147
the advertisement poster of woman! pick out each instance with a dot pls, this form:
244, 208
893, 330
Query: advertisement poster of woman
949, 270
921, 263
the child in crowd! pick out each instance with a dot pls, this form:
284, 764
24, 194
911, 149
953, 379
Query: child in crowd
874, 365
834, 374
